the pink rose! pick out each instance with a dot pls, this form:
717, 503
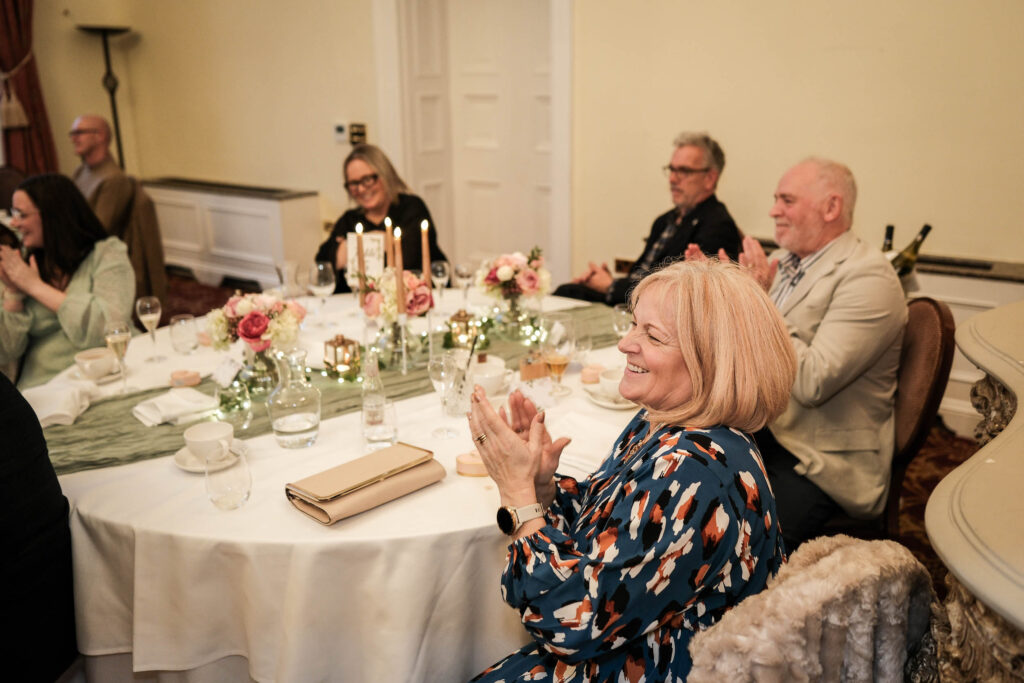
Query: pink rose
528, 281
411, 281
418, 300
372, 304
251, 329
492, 277
229, 307
297, 309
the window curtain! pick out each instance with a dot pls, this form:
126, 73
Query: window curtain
28, 148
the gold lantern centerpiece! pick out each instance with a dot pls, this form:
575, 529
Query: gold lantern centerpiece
341, 356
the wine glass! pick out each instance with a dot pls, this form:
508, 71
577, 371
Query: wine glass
148, 310
622, 320
435, 370
321, 281
557, 346
117, 334
464, 279
439, 274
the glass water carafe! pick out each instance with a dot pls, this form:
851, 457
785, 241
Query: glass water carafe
294, 405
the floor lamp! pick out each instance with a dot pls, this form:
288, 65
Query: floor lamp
110, 82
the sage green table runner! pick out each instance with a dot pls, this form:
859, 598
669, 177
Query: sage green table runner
107, 434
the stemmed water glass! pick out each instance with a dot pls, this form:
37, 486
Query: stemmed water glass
463, 280
439, 274
148, 310
622, 319
435, 369
117, 334
557, 346
322, 281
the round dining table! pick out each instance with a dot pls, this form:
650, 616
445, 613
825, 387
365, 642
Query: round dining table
169, 587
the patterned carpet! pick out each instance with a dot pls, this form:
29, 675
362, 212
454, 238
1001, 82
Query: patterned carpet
941, 453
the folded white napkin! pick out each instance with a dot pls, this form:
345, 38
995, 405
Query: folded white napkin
59, 403
177, 406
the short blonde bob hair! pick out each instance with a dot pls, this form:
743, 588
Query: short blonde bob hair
375, 158
733, 341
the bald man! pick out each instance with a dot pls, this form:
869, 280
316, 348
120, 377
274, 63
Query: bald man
100, 179
120, 203
846, 312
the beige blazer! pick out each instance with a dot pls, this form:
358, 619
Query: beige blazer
846, 319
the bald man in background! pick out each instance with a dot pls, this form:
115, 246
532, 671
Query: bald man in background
100, 179
120, 203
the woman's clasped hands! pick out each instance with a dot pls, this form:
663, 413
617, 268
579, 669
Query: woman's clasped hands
15, 273
516, 448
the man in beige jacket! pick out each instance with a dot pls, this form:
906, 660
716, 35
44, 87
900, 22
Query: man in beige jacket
846, 313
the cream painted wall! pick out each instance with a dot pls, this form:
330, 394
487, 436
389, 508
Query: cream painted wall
243, 91
921, 98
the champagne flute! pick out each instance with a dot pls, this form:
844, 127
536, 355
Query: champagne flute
435, 369
322, 281
440, 271
148, 310
117, 334
622, 320
464, 279
557, 346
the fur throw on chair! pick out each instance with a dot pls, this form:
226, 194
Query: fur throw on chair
840, 609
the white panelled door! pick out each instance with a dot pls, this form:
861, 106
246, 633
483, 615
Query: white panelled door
478, 99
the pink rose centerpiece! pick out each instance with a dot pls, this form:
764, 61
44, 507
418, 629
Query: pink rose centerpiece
511, 277
261, 321
382, 297
515, 275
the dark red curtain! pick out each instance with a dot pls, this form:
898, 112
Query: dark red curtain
30, 150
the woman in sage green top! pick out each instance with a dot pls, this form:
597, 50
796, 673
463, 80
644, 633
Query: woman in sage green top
76, 278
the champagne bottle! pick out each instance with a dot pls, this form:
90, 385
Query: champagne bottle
905, 260
887, 242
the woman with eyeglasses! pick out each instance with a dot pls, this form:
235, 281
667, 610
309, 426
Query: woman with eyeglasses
375, 186
75, 278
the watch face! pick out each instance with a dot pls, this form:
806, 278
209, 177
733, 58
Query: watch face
505, 521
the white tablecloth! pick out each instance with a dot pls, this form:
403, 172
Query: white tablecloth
406, 592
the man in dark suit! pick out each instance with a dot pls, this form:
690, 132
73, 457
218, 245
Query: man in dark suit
698, 218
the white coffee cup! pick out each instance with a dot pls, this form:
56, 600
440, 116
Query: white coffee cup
609, 382
96, 363
491, 375
210, 440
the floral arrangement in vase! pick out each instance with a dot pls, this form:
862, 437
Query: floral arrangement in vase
381, 299
260, 320
511, 276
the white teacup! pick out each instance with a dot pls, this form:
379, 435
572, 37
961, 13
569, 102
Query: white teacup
609, 382
210, 440
491, 375
96, 363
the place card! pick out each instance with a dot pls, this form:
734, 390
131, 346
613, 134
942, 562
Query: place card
373, 252
224, 374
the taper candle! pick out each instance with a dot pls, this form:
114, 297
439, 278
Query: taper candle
399, 271
425, 249
361, 260
389, 256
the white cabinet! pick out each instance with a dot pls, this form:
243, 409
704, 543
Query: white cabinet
220, 230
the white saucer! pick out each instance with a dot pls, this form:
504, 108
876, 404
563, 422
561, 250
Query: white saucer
76, 374
190, 462
606, 401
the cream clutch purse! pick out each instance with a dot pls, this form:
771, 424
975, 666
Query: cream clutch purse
365, 483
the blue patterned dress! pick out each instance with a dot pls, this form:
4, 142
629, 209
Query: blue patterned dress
667, 534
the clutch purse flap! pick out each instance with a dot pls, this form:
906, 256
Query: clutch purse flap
359, 473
